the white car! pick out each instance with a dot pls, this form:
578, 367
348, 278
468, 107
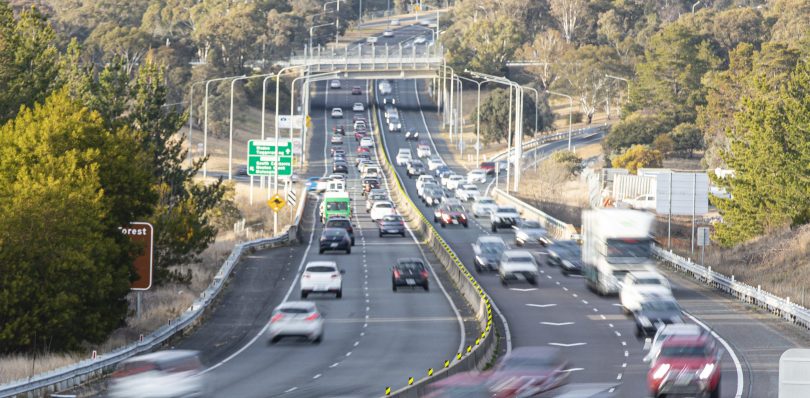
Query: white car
371, 39
454, 181
394, 22
421, 181
296, 319
467, 192
370, 171
358, 107
477, 175
374, 198
643, 202
337, 177
483, 206
360, 125
639, 286
388, 33
403, 156
667, 331
423, 150
434, 163
334, 84
322, 277
337, 113
365, 165
366, 142
394, 124
173, 373
517, 265
381, 209
419, 40
503, 217
336, 139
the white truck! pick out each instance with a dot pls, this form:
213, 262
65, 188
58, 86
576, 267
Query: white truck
794, 366
615, 242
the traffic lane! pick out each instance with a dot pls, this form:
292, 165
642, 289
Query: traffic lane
634, 377
525, 306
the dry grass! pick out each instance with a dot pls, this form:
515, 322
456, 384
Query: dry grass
551, 188
21, 366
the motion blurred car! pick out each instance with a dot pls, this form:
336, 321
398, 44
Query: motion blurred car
336, 139
483, 206
477, 175
338, 151
686, 365
373, 198
421, 181
411, 135
356, 90
381, 209
488, 167
362, 157
392, 224
362, 149
678, 329
503, 217
423, 150
460, 385
371, 39
450, 214
323, 183
341, 222
312, 184
409, 272
340, 167
339, 130
394, 22
415, 168
467, 192
358, 135
419, 40
296, 319
530, 231
528, 371
174, 373
434, 162
517, 265
403, 156
334, 84
654, 314
241, 170
337, 113
442, 172
335, 239
638, 286
370, 183
454, 181
433, 195
388, 33
322, 277
394, 124
358, 107
366, 142
566, 254
488, 251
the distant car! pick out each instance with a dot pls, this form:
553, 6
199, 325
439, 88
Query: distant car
530, 231
371, 39
454, 181
362, 149
241, 170
503, 217
395, 125
340, 167
488, 167
339, 130
421, 181
467, 192
419, 40
337, 113
415, 168
341, 222
638, 286
392, 224
434, 162
411, 135
388, 33
356, 90
312, 184
424, 22
366, 142
488, 250
566, 254
483, 206
442, 171
322, 277
471, 384
643, 202
394, 22
334, 84
358, 107
517, 265
433, 195
335, 239
336, 139
296, 319
654, 314
370, 183
403, 156
172, 373
373, 198
686, 365
422, 150
381, 209
530, 371
358, 135
409, 272
451, 214
477, 175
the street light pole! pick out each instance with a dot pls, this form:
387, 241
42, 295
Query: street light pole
536, 105
311, 32
205, 121
230, 129
191, 120
570, 111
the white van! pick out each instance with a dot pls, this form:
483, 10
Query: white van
404, 156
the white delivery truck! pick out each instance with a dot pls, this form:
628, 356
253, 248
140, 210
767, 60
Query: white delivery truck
615, 242
794, 368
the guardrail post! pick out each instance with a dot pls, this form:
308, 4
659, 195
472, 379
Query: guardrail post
708, 275
386, 56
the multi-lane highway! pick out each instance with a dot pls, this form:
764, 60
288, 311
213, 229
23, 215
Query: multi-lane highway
374, 337
591, 330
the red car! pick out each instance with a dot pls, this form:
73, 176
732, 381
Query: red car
356, 90
358, 135
362, 149
528, 371
466, 384
686, 365
489, 167
339, 130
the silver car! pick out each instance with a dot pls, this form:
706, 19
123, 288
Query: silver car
296, 319
528, 231
175, 373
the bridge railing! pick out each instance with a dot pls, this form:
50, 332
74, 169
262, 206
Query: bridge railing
371, 57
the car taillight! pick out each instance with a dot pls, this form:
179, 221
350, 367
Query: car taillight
446, 217
313, 317
396, 274
276, 317
424, 274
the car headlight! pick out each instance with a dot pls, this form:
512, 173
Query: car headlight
661, 371
645, 321
707, 371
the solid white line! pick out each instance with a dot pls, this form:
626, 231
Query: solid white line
730, 353
506, 331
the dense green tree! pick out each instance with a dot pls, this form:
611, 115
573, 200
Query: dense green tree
664, 144
686, 138
769, 152
584, 76
495, 115
636, 128
483, 45
569, 160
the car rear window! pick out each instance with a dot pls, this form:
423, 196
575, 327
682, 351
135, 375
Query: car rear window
507, 209
648, 281
391, 218
521, 259
417, 265
333, 232
321, 268
294, 310
455, 208
531, 224
384, 205
338, 223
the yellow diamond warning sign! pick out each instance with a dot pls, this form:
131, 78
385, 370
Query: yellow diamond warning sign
276, 202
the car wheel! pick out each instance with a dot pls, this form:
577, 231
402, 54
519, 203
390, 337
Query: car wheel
320, 251
444, 225
318, 339
475, 215
349, 250
565, 273
518, 242
304, 294
532, 281
403, 234
339, 294
427, 288
381, 234
435, 219
503, 282
275, 339
639, 333
466, 225
477, 267
716, 392
352, 241
494, 228
394, 286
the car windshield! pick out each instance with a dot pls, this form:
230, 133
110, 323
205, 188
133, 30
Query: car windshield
492, 247
339, 223
685, 351
383, 205
455, 208
520, 259
486, 201
391, 218
334, 206
321, 268
648, 281
506, 209
659, 306
293, 310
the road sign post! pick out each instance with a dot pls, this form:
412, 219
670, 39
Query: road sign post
142, 233
703, 240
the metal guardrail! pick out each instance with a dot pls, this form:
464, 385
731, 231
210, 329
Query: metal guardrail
531, 144
557, 228
475, 356
89, 369
782, 307
371, 57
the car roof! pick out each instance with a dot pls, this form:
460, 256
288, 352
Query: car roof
321, 263
682, 328
646, 274
698, 340
490, 239
516, 253
297, 304
160, 356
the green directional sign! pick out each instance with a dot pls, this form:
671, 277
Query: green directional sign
262, 157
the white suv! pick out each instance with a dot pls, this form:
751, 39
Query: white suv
517, 265
640, 286
322, 277
404, 156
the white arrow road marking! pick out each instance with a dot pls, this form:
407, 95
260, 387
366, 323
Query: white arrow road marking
541, 305
523, 290
556, 323
566, 345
